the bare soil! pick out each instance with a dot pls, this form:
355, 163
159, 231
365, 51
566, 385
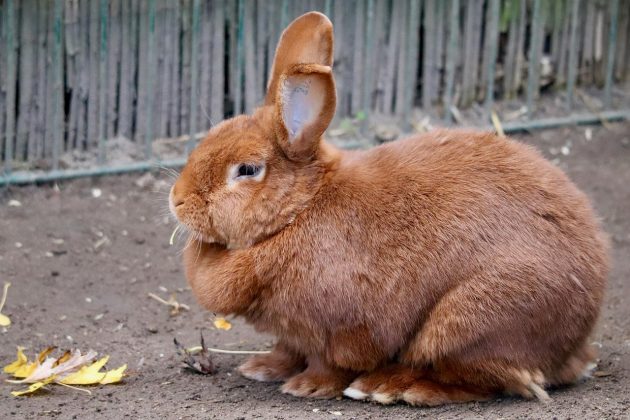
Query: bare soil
90, 291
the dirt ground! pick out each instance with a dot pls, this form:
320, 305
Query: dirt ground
81, 268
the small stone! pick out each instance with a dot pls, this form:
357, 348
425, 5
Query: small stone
145, 181
96, 192
14, 203
588, 134
385, 132
18, 245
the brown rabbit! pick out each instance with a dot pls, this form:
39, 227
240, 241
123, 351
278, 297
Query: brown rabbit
446, 267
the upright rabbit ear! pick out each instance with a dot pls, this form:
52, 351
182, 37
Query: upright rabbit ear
308, 39
305, 104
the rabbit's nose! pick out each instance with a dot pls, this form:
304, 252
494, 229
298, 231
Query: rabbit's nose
175, 199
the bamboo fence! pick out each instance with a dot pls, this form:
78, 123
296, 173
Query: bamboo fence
76, 73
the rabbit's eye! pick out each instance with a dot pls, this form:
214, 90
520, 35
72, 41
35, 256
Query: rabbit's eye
247, 170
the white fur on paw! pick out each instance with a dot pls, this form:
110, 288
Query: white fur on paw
382, 398
588, 370
354, 393
256, 375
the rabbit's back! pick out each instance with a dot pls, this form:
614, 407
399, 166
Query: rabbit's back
400, 226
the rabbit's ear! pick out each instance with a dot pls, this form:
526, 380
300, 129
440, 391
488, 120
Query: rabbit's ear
308, 39
305, 104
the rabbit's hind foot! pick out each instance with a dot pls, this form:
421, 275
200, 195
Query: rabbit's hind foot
397, 382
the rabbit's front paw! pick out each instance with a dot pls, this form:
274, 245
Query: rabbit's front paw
278, 365
318, 384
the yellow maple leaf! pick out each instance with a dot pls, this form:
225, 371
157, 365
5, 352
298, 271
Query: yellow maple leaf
114, 375
69, 369
18, 363
222, 323
33, 387
90, 375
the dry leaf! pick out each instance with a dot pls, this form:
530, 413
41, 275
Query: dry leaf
172, 302
222, 323
71, 368
32, 388
199, 362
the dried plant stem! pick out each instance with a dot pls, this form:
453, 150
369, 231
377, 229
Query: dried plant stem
212, 350
5, 292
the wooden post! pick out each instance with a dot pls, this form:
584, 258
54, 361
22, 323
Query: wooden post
414, 57
26, 79
150, 92
429, 55
58, 91
534, 58
249, 55
359, 58
11, 53
113, 66
218, 48
492, 53
194, 70
453, 35
471, 46
573, 53
610, 62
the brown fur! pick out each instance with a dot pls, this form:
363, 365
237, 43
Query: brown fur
445, 267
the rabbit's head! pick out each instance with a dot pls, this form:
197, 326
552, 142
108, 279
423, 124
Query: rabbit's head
253, 174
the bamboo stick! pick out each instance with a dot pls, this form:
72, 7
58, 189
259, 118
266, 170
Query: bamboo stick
453, 35
610, 62
26, 78
239, 57
113, 66
206, 66
369, 60
150, 93
561, 70
392, 58
174, 127
429, 54
413, 62
472, 33
249, 55
3, 53
358, 59
492, 53
57, 64
196, 9
218, 50
573, 53
81, 139
534, 58
11, 55
185, 75
93, 76
127, 87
